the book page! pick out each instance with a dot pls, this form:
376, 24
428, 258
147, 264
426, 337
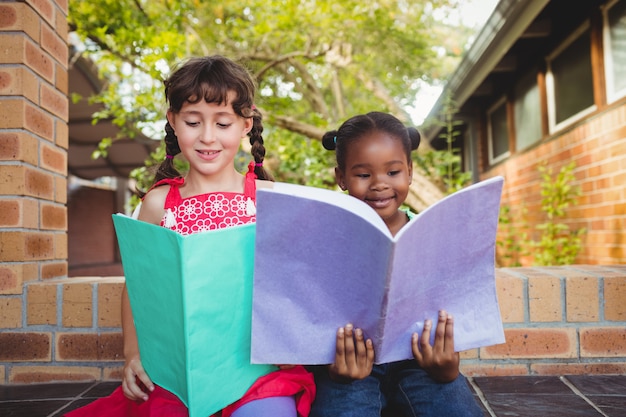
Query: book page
445, 260
306, 249
319, 267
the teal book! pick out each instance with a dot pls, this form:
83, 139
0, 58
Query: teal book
191, 298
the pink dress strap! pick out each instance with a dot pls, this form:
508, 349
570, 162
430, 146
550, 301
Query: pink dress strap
249, 186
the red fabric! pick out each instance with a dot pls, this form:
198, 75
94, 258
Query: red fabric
160, 403
284, 382
296, 381
209, 211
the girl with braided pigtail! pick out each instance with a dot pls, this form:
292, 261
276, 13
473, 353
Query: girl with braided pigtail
211, 109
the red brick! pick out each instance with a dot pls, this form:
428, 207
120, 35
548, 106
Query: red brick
19, 146
55, 102
603, 342
41, 304
90, 347
615, 299
17, 16
54, 270
53, 217
534, 343
51, 373
54, 159
544, 299
582, 299
19, 213
10, 314
493, 369
110, 304
39, 184
27, 347
39, 122
578, 368
510, 291
77, 305
62, 134
18, 81
45, 8
38, 60
10, 279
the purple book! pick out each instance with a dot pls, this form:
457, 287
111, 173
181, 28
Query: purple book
324, 259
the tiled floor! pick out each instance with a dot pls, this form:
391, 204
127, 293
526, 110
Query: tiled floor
521, 396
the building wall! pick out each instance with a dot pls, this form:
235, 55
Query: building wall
598, 147
33, 156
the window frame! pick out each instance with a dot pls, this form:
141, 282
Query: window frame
502, 102
612, 94
550, 93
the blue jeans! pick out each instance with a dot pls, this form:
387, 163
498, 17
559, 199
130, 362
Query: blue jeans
403, 386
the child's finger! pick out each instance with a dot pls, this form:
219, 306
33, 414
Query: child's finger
369, 346
440, 331
340, 350
425, 339
415, 347
361, 350
349, 350
449, 336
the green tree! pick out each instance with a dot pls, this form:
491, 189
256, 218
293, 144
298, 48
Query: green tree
316, 62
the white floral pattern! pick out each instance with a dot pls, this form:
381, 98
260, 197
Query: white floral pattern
209, 212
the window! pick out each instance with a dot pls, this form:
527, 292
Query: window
527, 111
498, 131
569, 80
615, 49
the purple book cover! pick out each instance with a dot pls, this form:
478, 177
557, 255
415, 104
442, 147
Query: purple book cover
324, 259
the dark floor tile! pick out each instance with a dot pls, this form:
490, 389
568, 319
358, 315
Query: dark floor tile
533, 405
599, 384
522, 384
42, 391
30, 408
73, 406
101, 389
611, 405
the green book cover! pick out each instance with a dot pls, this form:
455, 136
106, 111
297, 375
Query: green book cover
191, 298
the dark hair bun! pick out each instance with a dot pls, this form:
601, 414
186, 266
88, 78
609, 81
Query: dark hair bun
415, 137
329, 140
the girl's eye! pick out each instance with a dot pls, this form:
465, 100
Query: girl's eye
363, 175
224, 125
393, 173
192, 124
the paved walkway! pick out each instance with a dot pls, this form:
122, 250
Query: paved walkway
521, 396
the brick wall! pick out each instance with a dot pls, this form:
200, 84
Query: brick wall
598, 147
33, 162
558, 320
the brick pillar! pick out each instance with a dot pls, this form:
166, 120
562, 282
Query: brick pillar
33, 162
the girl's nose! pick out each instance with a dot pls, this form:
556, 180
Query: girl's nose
207, 135
379, 183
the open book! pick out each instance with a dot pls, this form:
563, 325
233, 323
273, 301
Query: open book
191, 299
324, 259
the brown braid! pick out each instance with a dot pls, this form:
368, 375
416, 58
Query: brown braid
258, 149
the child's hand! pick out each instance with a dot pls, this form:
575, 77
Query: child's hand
354, 356
136, 383
285, 366
441, 362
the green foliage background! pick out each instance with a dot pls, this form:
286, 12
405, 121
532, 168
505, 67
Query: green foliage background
316, 63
